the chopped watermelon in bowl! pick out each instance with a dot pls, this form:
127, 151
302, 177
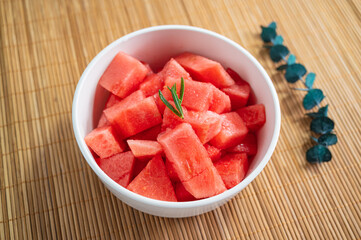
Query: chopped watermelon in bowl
182, 187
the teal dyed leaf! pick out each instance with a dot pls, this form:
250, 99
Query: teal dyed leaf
310, 79
318, 154
278, 52
313, 98
322, 112
327, 139
295, 72
278, 40
282, 67
268, 34
322, 125
291, 59
273, 25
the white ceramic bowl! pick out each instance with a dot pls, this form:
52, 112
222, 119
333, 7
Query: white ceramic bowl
155, 45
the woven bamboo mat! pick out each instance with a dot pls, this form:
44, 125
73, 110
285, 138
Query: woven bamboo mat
48, 191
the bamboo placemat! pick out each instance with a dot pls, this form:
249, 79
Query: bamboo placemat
47, 189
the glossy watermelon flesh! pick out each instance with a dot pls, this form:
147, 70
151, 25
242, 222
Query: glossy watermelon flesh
103, 121
197, 95
160, 105
149, 69
139, 165
213, 152
254, 116
118, 167
171, 172
153, 182
134, 118
238, 94
206, 184
144, 148
170, 120
248, 145
192, 164
149, 134
103, 142
234, 75
151, 85
232, 168
112, 100
123, 75
182, 194
232, 133
173, 70
220, 102
205, 70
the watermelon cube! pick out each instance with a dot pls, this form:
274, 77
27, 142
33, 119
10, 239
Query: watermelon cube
254, 116
104, 142
139, 165
232, 133
234, 75
205, 70
112, 100
213, 152
206, 124
149, 69
187, 161
182, 194
123, 75
151, 85
144, 148
134, 118
160, 105
171, 172
170, 120
103, 121
153, 182
192, 164
220, 103
197, 95
134, 97
239, 94
206, 184
172, 70
232, 168
149, 134
248, 145
118, 167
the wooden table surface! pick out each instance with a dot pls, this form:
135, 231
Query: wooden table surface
47, 191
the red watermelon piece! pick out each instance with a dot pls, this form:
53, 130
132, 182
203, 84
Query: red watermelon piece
112, 100
134, 97
206, 184
160, 105
149, 69
232, 133
232, 168
139, 165
254, 116
239, 94
103, 121
248, 145
197, 95
171, 172
153, 182
182, 194
170, 120
213, 152
206, 124
220, 102
234, 75
118, 167
144, 148
192, 164
187, 161
151, 85
135, 118
149, 134
172, 70
123, 75
205, 70
104, 142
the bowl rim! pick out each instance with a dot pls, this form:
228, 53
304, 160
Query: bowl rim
166, 204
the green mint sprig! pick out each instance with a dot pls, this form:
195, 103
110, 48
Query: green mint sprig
177, 101
320, 124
